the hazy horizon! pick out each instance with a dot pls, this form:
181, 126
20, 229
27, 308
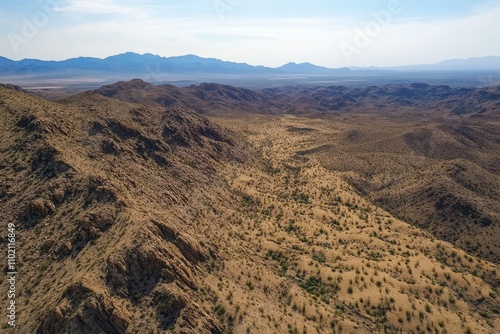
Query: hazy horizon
331, 34
232, 61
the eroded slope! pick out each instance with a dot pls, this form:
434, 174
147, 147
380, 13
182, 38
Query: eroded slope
102, 194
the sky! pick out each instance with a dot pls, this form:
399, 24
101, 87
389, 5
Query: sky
331, 33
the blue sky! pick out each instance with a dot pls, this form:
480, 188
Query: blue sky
331, 33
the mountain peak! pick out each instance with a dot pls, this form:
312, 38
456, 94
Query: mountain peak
131, 56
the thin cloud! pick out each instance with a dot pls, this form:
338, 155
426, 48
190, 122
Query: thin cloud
220, 37
100, 7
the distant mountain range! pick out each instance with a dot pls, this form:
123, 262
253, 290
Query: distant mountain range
490, 63
133, 63
148, 63
84, 73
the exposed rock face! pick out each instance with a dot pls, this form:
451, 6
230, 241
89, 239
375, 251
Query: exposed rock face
84, 310
40, 208
191, 248
136, 272
174, 310
94, 224
169, 306
45, 162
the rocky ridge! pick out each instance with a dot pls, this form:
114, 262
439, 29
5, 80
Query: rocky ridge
76, 179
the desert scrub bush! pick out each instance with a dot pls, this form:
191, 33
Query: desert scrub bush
315, 286
319, 256
279, 257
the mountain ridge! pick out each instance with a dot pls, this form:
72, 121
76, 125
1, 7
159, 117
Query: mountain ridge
309, 100
137, 63
143, 63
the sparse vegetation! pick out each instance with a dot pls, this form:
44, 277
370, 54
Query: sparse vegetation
174, 221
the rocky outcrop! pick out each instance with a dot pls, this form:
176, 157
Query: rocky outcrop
40, 208
192, 249
169, 305
84, 311
174, 309
47, 163
135, 272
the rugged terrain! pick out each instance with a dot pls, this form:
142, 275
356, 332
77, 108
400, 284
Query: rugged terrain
403, 99
142, 216
428, 154
106, 196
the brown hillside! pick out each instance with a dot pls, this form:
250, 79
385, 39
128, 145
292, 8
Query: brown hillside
135, 218
442, 176
203, 98
101, 193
